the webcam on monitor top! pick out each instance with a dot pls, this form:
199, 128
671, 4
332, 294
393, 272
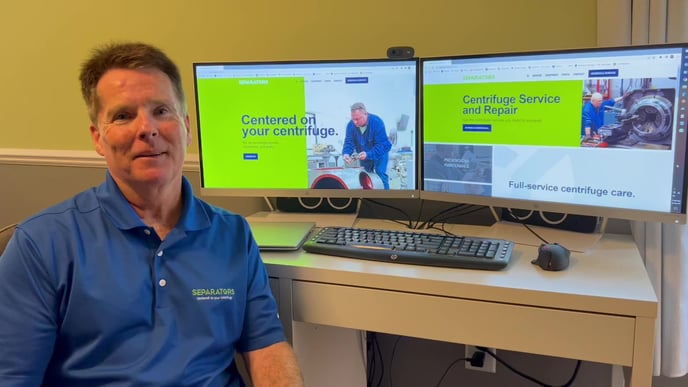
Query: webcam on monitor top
401, 52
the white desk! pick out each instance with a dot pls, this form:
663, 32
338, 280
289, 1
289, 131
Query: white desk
602, 308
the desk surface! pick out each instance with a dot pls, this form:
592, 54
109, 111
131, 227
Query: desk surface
602, 308
608, 278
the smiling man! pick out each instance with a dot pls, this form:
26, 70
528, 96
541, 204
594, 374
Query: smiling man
104, 288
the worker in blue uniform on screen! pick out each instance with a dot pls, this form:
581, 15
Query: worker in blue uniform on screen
593, 113
137, 282
366, 135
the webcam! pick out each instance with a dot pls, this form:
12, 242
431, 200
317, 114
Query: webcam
401, 52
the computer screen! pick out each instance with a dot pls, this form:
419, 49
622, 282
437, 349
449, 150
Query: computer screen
337, 128
597, 132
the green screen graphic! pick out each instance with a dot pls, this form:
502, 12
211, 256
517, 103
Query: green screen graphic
514, 113
250, 130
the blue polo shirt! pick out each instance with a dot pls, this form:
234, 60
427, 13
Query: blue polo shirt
90, 296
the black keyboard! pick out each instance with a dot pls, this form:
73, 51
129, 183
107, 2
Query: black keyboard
411, 247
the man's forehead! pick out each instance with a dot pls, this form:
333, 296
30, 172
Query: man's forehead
117, 84
119, 78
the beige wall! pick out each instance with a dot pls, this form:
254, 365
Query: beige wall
44, 41
27, 189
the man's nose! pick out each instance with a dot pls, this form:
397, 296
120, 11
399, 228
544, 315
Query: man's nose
146, 125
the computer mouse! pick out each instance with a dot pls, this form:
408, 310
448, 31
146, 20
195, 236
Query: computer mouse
552, 256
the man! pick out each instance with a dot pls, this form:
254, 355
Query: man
137, 282
366, 134
593, 113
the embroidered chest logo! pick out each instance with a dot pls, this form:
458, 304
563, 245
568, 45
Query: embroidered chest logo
214, 294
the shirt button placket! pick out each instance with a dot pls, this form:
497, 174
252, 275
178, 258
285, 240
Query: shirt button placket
162, 282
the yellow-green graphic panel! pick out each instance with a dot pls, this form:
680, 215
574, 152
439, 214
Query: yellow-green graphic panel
250, 129
525, 113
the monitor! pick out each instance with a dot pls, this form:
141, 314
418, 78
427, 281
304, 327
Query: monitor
335, 128
598, 131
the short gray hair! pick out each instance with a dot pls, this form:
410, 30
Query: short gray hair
358, 106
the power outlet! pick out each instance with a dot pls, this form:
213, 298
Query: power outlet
490, 363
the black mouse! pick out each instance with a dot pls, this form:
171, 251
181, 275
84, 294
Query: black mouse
552, 256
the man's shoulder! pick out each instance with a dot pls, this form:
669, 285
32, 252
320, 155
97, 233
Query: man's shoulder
215, 212
84, 202
374, 117
375, 121
588, 107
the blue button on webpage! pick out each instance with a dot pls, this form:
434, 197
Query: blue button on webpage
477, 128
603, 73
356, 79
250, 156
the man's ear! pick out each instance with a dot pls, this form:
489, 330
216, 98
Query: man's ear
187, 123
95, 136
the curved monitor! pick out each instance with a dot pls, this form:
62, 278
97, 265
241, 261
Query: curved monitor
340, 128
597, 132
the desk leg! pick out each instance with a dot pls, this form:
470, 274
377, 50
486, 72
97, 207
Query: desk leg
284, 308
643, 353
330, 356
618, 378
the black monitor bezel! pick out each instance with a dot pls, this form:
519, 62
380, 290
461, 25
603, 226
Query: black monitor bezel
565, 208
310, 192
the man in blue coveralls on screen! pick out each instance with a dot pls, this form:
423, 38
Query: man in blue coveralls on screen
593, 113
366, 134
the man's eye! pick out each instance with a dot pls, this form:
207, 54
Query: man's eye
162, 110
119, 117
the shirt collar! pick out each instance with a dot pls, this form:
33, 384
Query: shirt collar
113, 202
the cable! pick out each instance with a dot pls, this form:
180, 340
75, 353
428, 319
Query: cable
446, 371
382, 362
532, 379
441, 229
391, 361
534, 233
408, 217
371, 359
427, 223
420, 214
521, 221
375, 354
458, 214
468, 209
